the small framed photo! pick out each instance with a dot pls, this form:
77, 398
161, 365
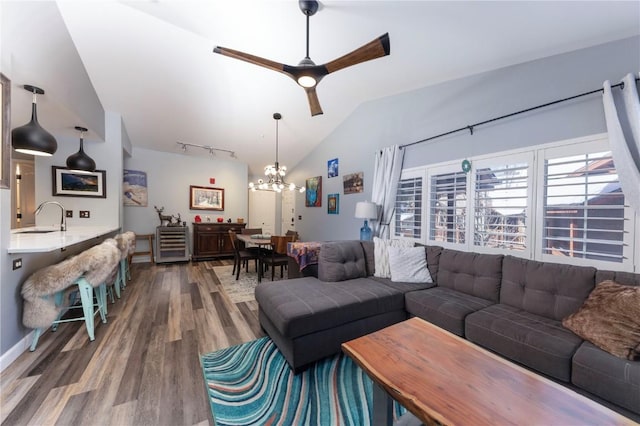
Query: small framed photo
206, 198
353, 183
71, 183
332, 168
333, 203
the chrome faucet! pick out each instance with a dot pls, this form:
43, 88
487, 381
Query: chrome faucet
63, 219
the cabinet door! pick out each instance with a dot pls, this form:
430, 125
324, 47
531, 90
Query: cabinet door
207, 243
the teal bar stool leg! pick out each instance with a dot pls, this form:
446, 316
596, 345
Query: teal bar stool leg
118, 283
86, 295
123, 272
36, 336
59, 299
101, 297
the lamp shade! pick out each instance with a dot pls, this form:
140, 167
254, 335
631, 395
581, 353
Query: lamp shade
80, 161
31, 138
366, 210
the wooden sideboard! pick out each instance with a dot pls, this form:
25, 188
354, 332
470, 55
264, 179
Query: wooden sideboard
212, 240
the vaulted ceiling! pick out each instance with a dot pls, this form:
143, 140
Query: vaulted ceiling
153, 61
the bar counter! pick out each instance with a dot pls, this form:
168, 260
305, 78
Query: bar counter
25, 240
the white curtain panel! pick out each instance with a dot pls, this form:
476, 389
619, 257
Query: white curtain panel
625, 151
386, 175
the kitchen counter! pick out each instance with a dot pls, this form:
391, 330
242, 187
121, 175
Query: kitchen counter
43, 242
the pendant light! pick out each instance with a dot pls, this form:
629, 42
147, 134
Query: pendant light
31, 138
80, 161
275, 173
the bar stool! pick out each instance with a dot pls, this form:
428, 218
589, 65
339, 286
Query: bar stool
52, 291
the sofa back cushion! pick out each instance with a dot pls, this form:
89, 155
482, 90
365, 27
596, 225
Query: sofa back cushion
547, 289
340, 261
369, 250
471, 273
624, 278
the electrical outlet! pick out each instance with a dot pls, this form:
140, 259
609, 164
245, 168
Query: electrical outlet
17, 263
85, 214
69, 213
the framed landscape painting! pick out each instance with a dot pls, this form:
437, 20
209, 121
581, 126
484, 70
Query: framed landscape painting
206, 198
353, 183
313, 192
68, 183
134, 188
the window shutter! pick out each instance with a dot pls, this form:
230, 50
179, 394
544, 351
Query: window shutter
448, 211
408, 213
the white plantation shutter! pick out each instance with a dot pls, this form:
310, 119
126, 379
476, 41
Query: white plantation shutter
584, 212
448, 206
408, 212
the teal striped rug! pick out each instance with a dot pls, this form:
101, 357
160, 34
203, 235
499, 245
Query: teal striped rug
251, 384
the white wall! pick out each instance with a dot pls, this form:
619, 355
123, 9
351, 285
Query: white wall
419, 114
169, 177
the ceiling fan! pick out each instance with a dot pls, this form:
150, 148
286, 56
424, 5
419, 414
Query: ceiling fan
307, 74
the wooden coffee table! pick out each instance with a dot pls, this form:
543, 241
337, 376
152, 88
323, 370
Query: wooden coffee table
442, 378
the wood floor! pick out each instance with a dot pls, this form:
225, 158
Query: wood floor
143, 367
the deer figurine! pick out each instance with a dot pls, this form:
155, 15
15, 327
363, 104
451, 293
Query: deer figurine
163, 217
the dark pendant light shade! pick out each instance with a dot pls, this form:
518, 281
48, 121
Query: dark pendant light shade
81, 161
31, 138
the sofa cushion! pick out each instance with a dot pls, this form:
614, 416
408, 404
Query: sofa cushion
409, 264
404, 287
471, 273
547, 289
444, 307
369, 256
540, 343
607, 376
382, 269
306, 305
624, 278
340, 261
610, 319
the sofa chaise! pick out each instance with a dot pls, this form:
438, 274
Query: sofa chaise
514, 307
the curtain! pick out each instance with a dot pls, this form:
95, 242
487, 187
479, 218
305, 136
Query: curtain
623, 126
386, 175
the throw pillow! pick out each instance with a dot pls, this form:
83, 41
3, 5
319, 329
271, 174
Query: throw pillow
409, 265
610, 319
381, 255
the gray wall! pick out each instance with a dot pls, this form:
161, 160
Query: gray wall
169, 177
419, 114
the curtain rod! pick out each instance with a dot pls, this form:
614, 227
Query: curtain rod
472, 126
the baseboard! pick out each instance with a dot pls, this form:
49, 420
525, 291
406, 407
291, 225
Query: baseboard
12, 354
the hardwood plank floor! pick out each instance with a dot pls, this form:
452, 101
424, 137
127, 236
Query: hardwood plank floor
143, 367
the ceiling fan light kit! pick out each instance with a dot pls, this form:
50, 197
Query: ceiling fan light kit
80, 161
275, 173
31, 138
307, 74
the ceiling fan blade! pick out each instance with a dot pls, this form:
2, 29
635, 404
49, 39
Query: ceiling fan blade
374, 49
252, 59
314, 103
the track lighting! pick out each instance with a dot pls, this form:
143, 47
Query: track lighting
212, 150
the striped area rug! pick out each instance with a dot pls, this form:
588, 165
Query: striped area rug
251, 384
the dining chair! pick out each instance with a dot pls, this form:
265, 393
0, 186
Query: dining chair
242, 256
296, 236
278, 256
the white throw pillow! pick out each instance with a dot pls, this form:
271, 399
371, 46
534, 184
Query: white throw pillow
409, 265
381, 255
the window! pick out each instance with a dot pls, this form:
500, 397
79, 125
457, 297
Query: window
583, 208
501, 203
448, 206
408, 212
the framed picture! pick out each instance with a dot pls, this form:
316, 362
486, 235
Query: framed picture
332, 168
333, 203
313, 192
134, 188
5, 124
206, 198
353, 183
67, 183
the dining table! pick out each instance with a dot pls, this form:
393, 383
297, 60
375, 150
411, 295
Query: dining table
261, 242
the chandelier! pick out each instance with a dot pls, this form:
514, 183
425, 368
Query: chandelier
274, 173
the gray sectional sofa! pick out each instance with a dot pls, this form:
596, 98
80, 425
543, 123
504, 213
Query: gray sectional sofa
511, 306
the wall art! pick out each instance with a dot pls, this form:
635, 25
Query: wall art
206, 198
353, 183
313, 192
68, 183
332, 168
333, 203
134, 188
